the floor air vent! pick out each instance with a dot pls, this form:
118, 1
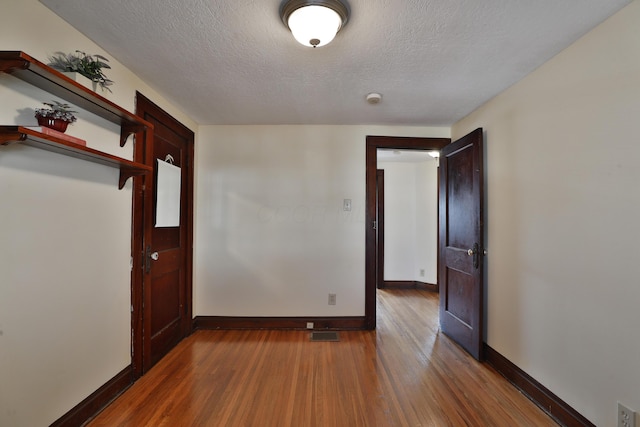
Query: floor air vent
324, 336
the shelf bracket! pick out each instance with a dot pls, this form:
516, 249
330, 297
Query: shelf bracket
8, 66
12, 138
125, 174
126, 130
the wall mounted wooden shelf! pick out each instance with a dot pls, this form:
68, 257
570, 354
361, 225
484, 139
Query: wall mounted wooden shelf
32, 71
26, 136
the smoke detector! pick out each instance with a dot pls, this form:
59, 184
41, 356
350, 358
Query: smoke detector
374, 98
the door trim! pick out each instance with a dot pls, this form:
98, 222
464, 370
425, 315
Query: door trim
141, 231
380, 231
142, 139
372, 145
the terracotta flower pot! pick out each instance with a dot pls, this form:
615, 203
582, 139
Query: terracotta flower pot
55, 124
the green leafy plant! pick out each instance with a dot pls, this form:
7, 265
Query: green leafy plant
90, 66
57, 110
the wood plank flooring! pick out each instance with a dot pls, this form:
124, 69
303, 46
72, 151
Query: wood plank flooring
406, 373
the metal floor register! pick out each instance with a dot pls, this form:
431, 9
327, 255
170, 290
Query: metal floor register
324, 336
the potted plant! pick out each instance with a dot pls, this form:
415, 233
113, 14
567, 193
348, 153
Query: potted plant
90, 66
56, 117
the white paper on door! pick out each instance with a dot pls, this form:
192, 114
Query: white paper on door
167, 195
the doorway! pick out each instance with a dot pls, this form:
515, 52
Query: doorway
407, 219
162, 245
373, 143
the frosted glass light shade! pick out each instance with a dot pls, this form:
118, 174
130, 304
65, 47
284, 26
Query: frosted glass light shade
314, 22
314, 26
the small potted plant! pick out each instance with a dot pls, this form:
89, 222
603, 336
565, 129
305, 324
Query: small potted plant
57, 116
90, 66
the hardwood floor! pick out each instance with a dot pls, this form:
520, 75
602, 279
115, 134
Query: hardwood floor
404, 374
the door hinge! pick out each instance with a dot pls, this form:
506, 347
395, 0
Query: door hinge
375, 225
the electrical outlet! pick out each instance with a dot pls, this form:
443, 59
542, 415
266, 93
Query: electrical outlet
332, 299
346, 205
626, 417
309, 325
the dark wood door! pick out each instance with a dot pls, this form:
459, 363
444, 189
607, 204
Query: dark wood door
167, 253
460, 274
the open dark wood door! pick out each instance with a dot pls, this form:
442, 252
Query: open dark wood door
460, 275
166, 249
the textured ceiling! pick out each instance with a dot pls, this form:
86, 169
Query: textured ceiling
234, 62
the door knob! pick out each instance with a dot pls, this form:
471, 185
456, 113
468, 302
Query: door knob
474, 253
154, 256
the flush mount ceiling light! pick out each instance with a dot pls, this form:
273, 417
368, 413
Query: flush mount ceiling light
314, 23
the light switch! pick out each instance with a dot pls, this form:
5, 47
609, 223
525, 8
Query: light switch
346, 205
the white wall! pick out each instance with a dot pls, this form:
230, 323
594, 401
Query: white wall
271, 236
410, 222
563, 204
65, 239
399, 220
427, 222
